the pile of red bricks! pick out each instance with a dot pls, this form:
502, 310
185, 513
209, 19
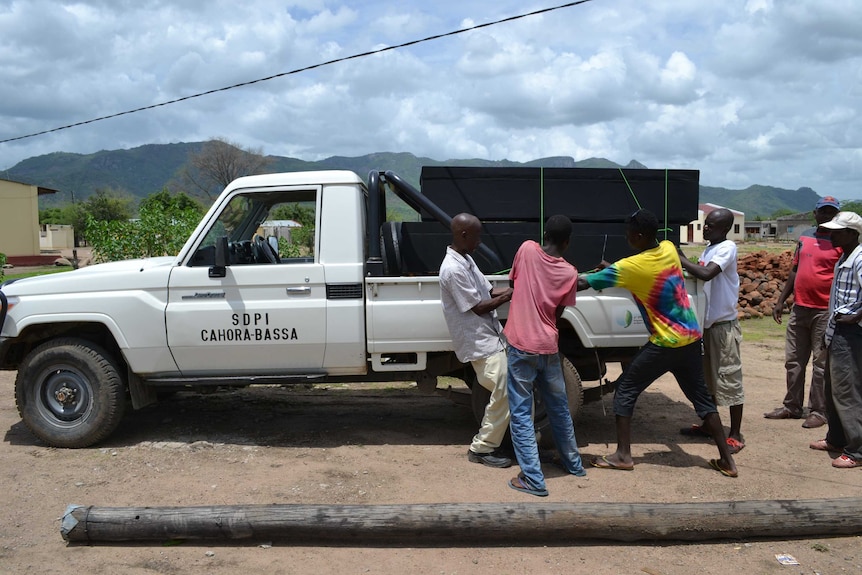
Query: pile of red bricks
761, 278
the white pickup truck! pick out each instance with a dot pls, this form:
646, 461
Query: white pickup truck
232, 309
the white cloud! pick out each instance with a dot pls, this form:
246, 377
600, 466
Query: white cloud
748, 92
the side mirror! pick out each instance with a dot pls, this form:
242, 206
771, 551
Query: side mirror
222, 259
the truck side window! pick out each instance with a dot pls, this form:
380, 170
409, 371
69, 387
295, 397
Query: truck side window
264, 228
292, 225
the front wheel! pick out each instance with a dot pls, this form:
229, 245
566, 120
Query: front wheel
70, 393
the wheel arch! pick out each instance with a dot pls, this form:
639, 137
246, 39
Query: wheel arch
35, 334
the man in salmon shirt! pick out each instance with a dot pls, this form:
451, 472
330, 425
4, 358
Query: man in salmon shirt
809, 281
654, 276
544, 284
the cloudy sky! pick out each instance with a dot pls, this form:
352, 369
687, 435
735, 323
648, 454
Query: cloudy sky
747, 91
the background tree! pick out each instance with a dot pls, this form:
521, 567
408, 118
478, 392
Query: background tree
106, 204
852, 206
220, 162
784, 212
302, 238
109, 204
55, 216
165, 222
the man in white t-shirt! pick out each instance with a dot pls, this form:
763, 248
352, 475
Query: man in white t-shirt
722, 334
469, 306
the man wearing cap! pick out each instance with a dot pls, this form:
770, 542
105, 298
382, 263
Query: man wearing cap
809, 282
843, 342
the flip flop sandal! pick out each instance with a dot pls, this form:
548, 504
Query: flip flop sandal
823, 445
734, 445
846, 462
604, 463
519, 484
726, 472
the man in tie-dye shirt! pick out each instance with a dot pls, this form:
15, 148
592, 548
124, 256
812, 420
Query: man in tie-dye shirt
654, 276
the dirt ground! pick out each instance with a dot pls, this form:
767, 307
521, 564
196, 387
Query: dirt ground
345, 445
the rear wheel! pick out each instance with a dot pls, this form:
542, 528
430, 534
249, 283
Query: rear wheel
70, 393
574, 394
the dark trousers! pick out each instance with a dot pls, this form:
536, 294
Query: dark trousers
650, 363
843, 385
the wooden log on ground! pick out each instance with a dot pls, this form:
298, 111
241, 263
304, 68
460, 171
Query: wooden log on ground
457, 524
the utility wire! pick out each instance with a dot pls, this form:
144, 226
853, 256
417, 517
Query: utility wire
305, 69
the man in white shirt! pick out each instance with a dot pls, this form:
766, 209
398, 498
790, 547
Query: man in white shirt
721, 331
469, 306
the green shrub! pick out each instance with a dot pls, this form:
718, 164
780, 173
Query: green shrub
161, 230
2, 263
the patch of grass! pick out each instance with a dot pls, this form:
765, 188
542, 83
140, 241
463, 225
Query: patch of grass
45, 270
769, 247
692, 251
764, 329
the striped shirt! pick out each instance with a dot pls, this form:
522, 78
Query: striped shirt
846, 295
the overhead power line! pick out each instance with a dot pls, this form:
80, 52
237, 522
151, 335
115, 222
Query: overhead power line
298, 70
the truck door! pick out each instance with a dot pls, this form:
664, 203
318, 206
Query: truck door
267, 315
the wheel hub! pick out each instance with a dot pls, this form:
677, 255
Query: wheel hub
66, 396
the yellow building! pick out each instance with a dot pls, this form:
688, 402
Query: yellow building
19, 222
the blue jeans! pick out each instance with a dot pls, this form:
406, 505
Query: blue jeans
529, 371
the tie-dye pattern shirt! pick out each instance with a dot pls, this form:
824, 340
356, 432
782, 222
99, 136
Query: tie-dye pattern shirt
655, 279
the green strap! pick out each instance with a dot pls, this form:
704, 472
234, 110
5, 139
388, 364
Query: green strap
634, 197
541, 204
665, 229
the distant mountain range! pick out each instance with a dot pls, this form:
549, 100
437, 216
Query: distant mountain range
147, 169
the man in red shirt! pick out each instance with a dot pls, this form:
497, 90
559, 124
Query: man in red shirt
810, 281
544, 284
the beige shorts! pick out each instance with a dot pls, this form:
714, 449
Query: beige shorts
722, 362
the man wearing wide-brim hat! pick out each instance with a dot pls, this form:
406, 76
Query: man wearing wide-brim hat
843, 342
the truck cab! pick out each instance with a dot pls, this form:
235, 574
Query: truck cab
294, 308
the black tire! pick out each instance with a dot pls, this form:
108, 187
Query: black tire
70, 393
574, 392
575, 395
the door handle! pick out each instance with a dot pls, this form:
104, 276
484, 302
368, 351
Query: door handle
298, 290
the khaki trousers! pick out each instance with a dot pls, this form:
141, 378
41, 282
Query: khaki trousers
491, 373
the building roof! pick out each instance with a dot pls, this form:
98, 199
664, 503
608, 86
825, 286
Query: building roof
707, 208
800, 216
281, 224
39, 189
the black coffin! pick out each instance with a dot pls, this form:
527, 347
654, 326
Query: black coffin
583, 194
422, 245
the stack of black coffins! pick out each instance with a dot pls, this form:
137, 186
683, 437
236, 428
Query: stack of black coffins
513, 203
